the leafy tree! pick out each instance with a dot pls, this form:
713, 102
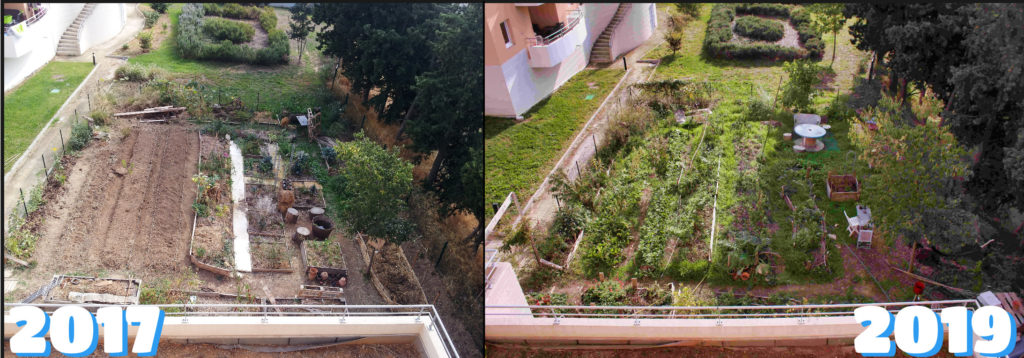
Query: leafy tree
445, 115
160, 7
372, 188
301, 25
803, 76
674, 42
382, 47
987, 102
828, 17
917, 170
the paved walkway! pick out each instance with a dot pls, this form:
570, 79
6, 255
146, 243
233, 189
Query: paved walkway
540, 208
28, 172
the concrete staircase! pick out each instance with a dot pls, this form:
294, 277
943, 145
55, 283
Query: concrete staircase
69, 44
602, 51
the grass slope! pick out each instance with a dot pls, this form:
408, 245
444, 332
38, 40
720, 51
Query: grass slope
518, 156
30, 106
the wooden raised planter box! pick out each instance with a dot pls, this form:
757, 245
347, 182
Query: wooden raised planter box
335, 271
842, 187
78, 289
261, 244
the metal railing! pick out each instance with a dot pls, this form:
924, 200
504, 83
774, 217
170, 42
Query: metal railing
39, 12
710, 312
492, 259
258, 310
574, 17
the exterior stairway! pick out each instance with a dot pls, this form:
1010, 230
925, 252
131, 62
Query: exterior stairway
602, 51
69, 44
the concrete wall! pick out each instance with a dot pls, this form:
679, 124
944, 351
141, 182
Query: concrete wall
639, 24
292, 330
512, 87
45, 34
105, 22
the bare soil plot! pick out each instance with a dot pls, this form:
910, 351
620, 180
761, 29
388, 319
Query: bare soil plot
138, 222
261, 210
271, 253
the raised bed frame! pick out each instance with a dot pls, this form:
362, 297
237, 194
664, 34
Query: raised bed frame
833, 180
334, 273
195, 219
253, 241
131, 299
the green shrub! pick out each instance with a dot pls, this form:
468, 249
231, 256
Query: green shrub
763, 9
809, 36
551, 247
212, 9
133, 72
760, 29
803, 76
839, 110
568, 221
688, 8
268, 19
603, 246
237, 11
224, 29
606, 293
719, 33
191, 43
145, 40
692, 270
160, 7
151, 18
81, 133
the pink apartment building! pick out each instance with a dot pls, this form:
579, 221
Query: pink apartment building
531, 49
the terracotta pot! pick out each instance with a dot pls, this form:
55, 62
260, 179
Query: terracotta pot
322, 227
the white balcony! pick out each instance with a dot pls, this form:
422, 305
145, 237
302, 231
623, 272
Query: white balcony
551, 50
16, 46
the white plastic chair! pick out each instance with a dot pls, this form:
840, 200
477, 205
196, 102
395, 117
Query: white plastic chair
853, 224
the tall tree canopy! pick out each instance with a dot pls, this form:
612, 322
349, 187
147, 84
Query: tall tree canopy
382, 47
424, 62
373, 188
447, 115
969, 55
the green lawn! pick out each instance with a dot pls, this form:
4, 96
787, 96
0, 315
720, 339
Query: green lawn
518, 156
30, 106
279, 87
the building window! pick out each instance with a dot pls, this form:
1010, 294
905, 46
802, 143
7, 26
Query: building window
505, 33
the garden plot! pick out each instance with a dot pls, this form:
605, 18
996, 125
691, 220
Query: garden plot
324, 263
124, 206
270, 254
213, 241
262, 211
75, 289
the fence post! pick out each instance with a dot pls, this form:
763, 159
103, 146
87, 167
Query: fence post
62, 149
88, 98
257, 101
23, 204
579, 174
45, 174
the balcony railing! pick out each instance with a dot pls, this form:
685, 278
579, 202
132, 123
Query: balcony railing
39, 12
492, 259
284, 310
709, 312
574, 19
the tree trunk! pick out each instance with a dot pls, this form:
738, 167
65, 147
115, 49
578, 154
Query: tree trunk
441, 155
301, 44
408, 115
475, 235
835, 35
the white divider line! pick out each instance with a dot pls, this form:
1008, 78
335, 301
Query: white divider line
240, 225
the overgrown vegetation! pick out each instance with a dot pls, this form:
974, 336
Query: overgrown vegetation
759, 29
224, 29
718, 38
191, 43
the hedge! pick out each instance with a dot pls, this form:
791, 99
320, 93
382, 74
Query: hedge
811, 39
265, 15
719, 33
760, 29
192, 45
224, 29
763, 9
